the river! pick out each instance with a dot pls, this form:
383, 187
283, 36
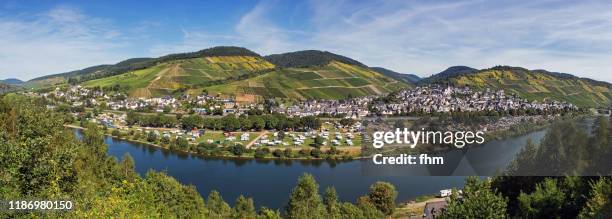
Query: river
270, 182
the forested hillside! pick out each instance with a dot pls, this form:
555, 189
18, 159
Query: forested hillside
308, 58
452, 71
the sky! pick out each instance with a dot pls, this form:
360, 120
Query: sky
421, 37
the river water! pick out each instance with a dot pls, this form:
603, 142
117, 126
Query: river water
270, 182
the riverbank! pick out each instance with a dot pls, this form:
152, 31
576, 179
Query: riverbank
266, 153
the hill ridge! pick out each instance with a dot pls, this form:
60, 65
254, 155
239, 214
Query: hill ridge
308, 58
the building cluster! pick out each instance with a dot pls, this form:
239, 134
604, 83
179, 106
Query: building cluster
352, 108
453, 99
425, 99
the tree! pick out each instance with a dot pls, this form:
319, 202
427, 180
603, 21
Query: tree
310, 122
237, 149
165, 140
382, 195
182, 143
304, 201
315, 152
151, 137
127, 164
546, 201
600, 203
217, 207
330, 199
277, 153
347, 121
92, 137
244, 208
318, 141
132, 118
230, 123
192, 121
258, 123
266, 213
478, 201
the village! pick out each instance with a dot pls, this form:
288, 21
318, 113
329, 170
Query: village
424, 99
111, 110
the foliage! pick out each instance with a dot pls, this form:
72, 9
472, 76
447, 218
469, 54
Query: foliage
600, 203
244, 208
382, 195
477, 201
308, 58
41, 158
218, 207
546, 200
305, 201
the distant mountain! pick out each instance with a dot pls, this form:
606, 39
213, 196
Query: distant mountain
407, 78
12, 81
4, 88
449, 72
102, 71
535, 85
308, 58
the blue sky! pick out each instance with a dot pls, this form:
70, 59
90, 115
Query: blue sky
422, 37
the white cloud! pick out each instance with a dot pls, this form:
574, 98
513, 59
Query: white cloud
422, 37
426, 37
59, 40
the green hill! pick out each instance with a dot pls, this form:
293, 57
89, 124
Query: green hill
178, 75
249, 77
449, 72
335, 80
102, 71
309, 58
537, 85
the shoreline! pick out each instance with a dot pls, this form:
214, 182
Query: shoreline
222, 156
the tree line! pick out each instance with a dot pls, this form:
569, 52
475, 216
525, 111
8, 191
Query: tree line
226, 123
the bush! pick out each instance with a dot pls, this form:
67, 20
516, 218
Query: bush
151, 137
315, 153
237, 150
261, 153
277, 153
304, 152
115, 132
